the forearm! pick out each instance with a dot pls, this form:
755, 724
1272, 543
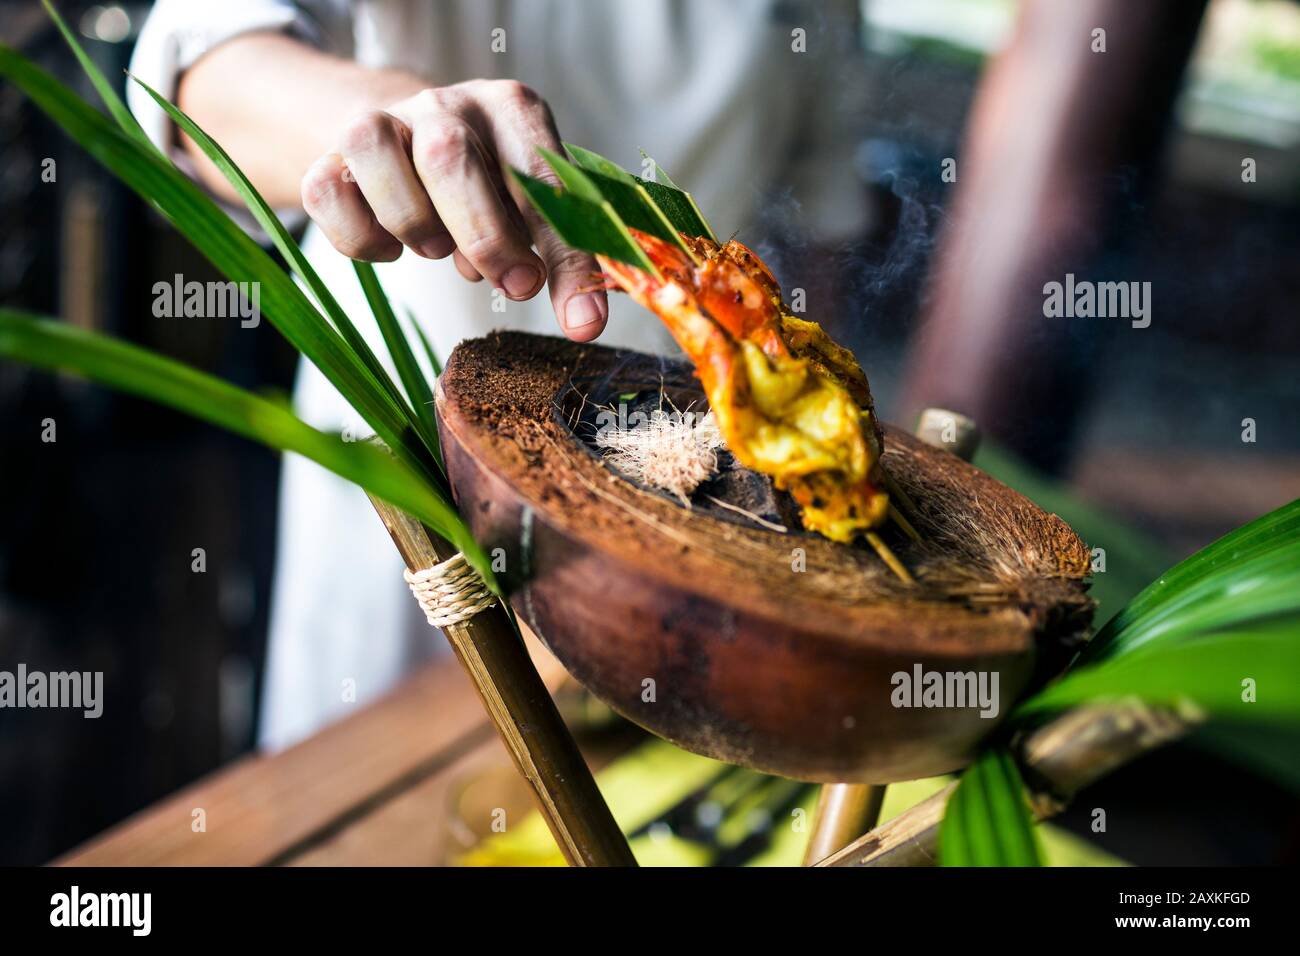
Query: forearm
276, 105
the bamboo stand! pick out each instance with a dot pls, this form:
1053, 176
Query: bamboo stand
845, 811
1058, 760
496, 660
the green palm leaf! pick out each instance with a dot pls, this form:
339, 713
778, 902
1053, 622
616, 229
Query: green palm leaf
1251, 674
51, 344
228, 248
270, 223
429, 352
1219, 632
124, 117
677, 206
601, 200
1249, 574
987, 820
584, 224
661, 174
629, 200
408, 369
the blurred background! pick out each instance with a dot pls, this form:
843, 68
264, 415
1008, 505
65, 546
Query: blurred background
1132, 435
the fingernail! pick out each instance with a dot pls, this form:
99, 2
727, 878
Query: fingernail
439, 247
584, 310
521, 281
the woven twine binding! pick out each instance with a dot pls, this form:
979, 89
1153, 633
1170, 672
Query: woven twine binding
450, 592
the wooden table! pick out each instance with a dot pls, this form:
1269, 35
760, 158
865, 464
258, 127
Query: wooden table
372, 789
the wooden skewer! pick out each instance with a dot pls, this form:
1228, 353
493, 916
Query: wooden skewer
898, 496
525, 716
845, 811
900, 519
887, 555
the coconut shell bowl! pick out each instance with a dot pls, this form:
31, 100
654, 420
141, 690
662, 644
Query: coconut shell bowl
718, 623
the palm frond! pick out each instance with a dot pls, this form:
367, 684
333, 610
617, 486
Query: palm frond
270, 223
116, 108
50, 344
234, 254
590, 226
987, 820
678, 206
408, 370
1247, 575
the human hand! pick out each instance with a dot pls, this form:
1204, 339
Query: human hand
430, 173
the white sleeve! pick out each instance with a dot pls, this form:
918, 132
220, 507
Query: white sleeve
823, 172
179, 32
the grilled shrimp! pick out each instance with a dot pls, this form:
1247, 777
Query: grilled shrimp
789, 402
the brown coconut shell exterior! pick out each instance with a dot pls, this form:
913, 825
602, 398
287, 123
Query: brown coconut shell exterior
774, 651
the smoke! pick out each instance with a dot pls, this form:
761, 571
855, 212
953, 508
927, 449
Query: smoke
885, 275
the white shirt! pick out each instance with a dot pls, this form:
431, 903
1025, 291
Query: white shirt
717, 91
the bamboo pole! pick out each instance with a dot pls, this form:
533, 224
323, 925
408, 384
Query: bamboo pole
847, 810
844, 812
493, 654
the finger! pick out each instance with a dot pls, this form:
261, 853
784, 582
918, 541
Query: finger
452, 166
334, 202
464, 268
522, 122
376, 148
